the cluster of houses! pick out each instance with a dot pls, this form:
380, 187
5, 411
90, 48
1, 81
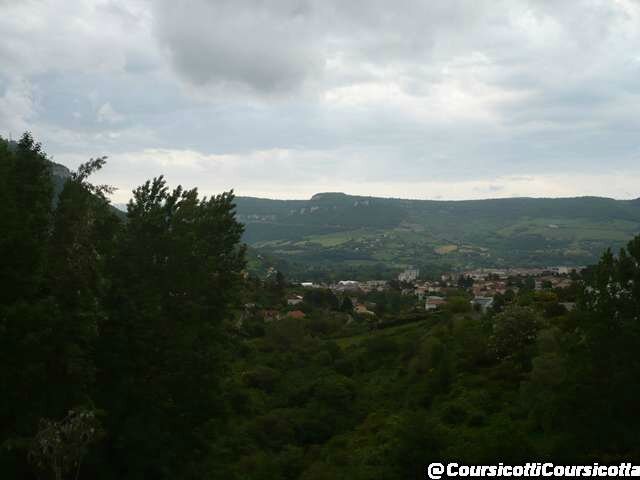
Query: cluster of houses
410, 275
490, 282
506, 273
484, 284
345, 286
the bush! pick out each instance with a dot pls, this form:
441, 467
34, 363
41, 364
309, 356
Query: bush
458, 305
336, 391
514, 331
381, 345
261, 377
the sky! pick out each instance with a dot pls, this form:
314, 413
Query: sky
440, 99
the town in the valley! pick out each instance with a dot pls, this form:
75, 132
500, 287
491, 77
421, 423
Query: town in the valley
478, 291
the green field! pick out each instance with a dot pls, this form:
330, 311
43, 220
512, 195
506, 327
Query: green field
335, 239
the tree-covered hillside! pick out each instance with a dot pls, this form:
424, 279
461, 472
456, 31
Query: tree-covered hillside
527, 381
334, 229
143, 349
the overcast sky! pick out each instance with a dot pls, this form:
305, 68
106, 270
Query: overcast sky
283, 98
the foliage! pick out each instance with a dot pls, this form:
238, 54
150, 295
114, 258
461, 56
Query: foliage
60, 446
128, 317
514, 330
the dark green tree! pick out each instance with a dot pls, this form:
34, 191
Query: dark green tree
25, 218
84, 229
347, 305
604, 363
514, 334
175, 278
50, 312
321, 299
25, 223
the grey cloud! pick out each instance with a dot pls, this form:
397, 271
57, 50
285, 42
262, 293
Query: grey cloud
264, 46
41, 36
563, 59
363, 90
278, 46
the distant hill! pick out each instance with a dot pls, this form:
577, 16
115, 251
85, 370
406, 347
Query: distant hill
345, 230
360, 236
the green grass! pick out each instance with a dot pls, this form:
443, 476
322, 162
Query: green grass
572, 229
338, 238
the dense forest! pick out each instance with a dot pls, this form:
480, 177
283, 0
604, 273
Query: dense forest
127, 353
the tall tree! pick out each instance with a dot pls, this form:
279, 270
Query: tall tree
84, 228
175, 277
25, 216
50, 292
605, 362
25, 209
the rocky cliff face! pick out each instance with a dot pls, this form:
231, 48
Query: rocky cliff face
60, 171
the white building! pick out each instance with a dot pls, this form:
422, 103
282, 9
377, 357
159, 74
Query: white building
347, 285
484, 303
434, 302
295, 300
409, 275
